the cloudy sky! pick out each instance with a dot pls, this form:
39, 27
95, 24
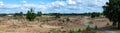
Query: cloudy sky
49, 6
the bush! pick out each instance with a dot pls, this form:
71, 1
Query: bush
18, 14
95, 14
96, 28
88, 28
57, 15
39, 14
3, 14
67, 19
72, 31
79, 30
30, 15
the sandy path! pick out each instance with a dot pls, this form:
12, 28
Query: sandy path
86, 23
109, 31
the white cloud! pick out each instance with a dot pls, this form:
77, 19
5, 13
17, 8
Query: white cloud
71, 2
12, 5
1, 3
24, 1
61, 6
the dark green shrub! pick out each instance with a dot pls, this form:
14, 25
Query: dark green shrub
88, 28
67, 19
96, 27
79, 30
95, 14
30, 15
3, 14
39, 14
57, 15
18, 14
72, 31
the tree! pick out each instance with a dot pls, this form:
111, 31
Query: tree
57, 15
39, 13
21, 13
18, 14
112, 11
95, 14
30, 15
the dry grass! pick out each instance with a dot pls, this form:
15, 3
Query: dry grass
45, 24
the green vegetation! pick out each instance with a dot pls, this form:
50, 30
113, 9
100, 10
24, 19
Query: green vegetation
30, 15
18, 14
79, 30
3, 14
95, 14
112, 12
67, 19
87, 30
72, 31
39, 14
57, 15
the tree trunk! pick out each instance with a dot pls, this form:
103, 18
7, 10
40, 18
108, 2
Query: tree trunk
114, 24
118, 25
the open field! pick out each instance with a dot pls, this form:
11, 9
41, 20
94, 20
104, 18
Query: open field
45, 24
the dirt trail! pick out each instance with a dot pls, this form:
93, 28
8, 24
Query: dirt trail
48, 26
109, 31
86, 23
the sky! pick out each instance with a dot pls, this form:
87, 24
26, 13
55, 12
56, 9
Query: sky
52, 6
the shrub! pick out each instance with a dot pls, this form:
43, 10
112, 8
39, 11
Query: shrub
79, 30
67, 19
96, 27
18, 14
72, 31
95, 14
57, 15
39, 14
88, 28
3, 14
30, 15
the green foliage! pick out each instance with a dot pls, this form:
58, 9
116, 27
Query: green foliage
30, 15
3, 14
79, 30
96, 28
94, 31
57, 15
95, 14
72, 31
112, 11
88, 28
18, 14
39, 13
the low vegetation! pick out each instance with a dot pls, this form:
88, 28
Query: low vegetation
87, 30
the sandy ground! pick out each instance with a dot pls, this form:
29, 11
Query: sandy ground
47, 24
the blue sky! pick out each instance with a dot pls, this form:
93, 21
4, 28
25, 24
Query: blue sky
52, 6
